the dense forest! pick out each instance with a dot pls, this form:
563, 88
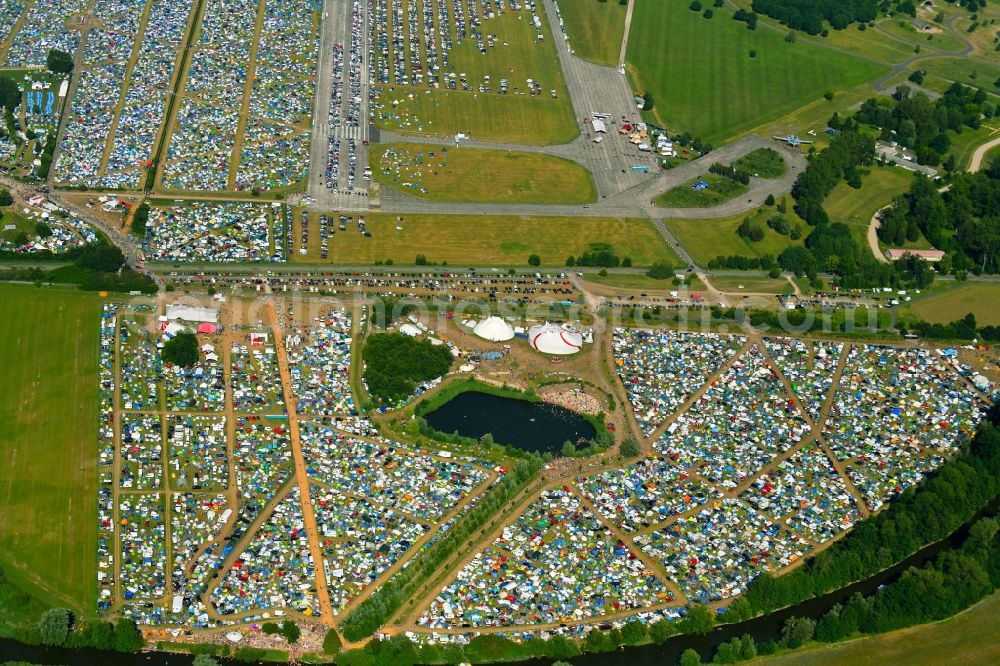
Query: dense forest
808, 15
396, 363
917, 122
964, 222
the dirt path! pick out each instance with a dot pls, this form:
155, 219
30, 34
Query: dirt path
244, 118
873, 236
308, 515
628, 28
137, 46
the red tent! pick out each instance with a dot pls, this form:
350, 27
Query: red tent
207, 328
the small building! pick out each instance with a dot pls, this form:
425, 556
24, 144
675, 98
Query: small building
192, 313
599, 126
895, 254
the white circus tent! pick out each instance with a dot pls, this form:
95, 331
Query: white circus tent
551, 338
494, 329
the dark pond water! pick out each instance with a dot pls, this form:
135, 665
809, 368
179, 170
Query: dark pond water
531, 426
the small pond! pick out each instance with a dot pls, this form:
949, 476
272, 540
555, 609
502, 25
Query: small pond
530, 426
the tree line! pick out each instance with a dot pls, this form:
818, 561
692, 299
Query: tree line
809, 15
374, 611
920, 515
915, 121
964, 222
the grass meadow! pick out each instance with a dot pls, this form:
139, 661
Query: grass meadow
480, 175
595, 29
48, 430
487, 240
704, 80
708, 239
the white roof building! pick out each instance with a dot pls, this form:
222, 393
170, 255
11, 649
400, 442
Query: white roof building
494, 329
554, 339
598, 125
192, 313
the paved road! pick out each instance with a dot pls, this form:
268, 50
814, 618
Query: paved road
795, 163
336, 29
597, 89
977, 157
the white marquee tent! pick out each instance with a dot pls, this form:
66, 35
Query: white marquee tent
494, 329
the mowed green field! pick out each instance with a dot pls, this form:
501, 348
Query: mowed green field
595, 29
48, 436
486, 240
446, 173
525, 119
516, 117
968, 638
707, 239
720, 189
855, 207
951, 303
703, 79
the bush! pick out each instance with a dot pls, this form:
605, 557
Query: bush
59, 62
331, 642
139, 219
690, 658
534, 260
270, 628
204, 660
54, 626
182, 350
5, 198
660, 271
630, 447
695, 6
127, 636
290, 631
